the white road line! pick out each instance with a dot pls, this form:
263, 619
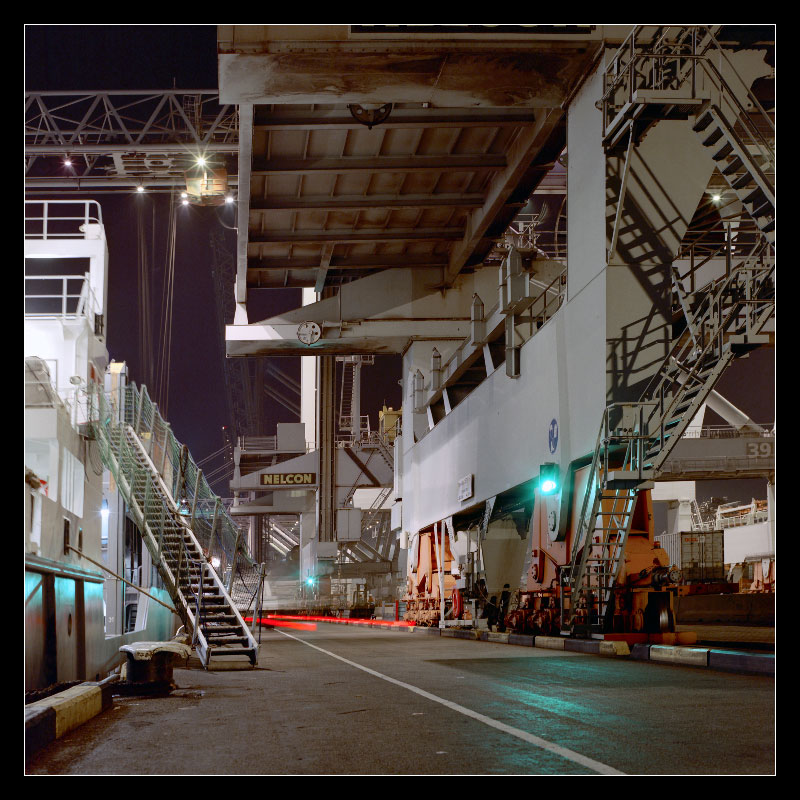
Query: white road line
564, 752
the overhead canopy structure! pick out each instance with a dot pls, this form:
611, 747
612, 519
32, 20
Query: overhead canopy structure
375, 147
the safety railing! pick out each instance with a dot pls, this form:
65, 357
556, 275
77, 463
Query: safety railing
60, 297
158, 521
739, 303
750, 518
682, 58
541, 308
268, 443
60, 219
217, 533
728, 432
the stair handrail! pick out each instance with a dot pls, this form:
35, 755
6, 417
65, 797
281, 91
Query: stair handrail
632, 461
694, 58
126, 478
145, 417
750, 96
155, 489
185, 556
636, 439
685, 351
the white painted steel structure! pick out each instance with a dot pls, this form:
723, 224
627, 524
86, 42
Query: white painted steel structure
497, 379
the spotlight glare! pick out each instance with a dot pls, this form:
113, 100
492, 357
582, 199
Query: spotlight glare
229, 199
184, 195
716, 197
185, 202
201, 162
140, 189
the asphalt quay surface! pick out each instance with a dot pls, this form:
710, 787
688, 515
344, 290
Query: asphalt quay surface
342, 700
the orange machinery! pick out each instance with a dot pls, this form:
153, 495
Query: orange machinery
643, 594
423, 590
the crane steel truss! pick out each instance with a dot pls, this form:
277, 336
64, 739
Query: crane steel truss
119, 138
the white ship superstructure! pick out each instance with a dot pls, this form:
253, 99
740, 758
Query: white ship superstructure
79, 543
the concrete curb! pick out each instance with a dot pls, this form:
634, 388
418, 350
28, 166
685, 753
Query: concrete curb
712, 658
690, 656
554, 642
51, 718
708, 657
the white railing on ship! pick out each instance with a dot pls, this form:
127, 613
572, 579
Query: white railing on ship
64, 304
43, 225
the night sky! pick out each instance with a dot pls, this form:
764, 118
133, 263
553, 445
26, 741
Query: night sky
96, 58
87, 58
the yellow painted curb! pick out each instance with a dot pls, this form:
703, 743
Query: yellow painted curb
614, 649
73, 706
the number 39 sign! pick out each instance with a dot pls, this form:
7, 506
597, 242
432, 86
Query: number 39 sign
760, 449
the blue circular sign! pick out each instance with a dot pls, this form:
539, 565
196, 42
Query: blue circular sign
552, 435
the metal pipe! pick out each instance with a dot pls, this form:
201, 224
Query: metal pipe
441, 571
728, 411
120, 578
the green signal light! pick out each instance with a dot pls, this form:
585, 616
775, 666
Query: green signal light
548, 478
310, 581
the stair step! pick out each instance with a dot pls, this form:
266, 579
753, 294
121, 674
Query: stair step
703, 121
743, 182
723, 152
211, 629
735, 166
756, 197
765, 210
231, 651
208, 594
713, 137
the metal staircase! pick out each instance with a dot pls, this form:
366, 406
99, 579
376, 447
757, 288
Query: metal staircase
635, 439
184, 526
662, 73
676, 72
744, 167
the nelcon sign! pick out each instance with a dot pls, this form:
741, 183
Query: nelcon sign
289, 479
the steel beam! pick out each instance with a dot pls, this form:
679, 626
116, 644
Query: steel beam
480, 162
520, 158
359, 236
399, 118
376, 261
358, 202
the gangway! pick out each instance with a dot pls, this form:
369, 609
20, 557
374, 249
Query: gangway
184, 525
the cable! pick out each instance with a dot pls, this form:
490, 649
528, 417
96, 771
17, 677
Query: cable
211, 456
227, 227
168, 290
